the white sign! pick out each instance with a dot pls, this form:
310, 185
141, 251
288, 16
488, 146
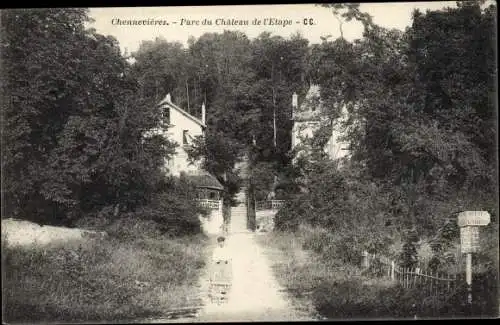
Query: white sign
473, 218
469, 239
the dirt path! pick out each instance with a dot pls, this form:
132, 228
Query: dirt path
255, 294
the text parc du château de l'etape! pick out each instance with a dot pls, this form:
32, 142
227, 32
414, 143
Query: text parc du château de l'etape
189, 22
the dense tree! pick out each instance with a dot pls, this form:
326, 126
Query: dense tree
73, 128
163, 67
280, 66
242, 82
420, 116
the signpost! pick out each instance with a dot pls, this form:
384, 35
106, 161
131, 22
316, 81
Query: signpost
469, 239
469, 223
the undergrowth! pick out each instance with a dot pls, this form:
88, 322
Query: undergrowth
114, 278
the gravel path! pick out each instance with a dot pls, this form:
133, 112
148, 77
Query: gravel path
255, 294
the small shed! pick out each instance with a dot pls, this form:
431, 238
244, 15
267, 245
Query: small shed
209, 194
209, 187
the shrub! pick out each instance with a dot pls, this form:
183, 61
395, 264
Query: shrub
409, 255
291, 215
96, 221
353, 299
174, 209
131, 227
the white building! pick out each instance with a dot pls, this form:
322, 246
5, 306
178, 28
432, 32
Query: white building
308, 117
182, 128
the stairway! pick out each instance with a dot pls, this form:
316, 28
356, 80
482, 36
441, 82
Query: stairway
239, 213
239, 217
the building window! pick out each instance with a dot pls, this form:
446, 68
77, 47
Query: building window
185, 137
165, 115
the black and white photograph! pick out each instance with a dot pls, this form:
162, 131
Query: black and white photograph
249, 163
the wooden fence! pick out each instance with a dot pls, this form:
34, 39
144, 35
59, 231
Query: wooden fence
269, 205
433, 282
211, 204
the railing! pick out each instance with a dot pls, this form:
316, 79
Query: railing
269, 205
431, 281
210, 204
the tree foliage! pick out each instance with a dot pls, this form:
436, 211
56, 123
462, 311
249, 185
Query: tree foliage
245, 85
421, 117
421, 125
73, 140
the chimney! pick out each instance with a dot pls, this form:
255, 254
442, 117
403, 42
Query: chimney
203, 113
169, 99
295, 103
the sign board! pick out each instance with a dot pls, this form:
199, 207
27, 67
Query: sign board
473, 218
469, 239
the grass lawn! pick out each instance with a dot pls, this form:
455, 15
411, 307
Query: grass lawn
103, 280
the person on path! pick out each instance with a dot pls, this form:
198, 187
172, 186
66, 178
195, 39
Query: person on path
221, 271
221, 253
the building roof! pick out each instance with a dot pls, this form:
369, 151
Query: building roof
204, 179
168, 102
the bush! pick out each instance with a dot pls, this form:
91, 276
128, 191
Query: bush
357, 211
130, 228
97, 221
174, 209
288, 218
353, 299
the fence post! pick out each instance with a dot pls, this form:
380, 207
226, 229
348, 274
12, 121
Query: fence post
414, 311
468, 277
438, 284
448, 281
432, 281
365, 263
424, 280
392, 269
